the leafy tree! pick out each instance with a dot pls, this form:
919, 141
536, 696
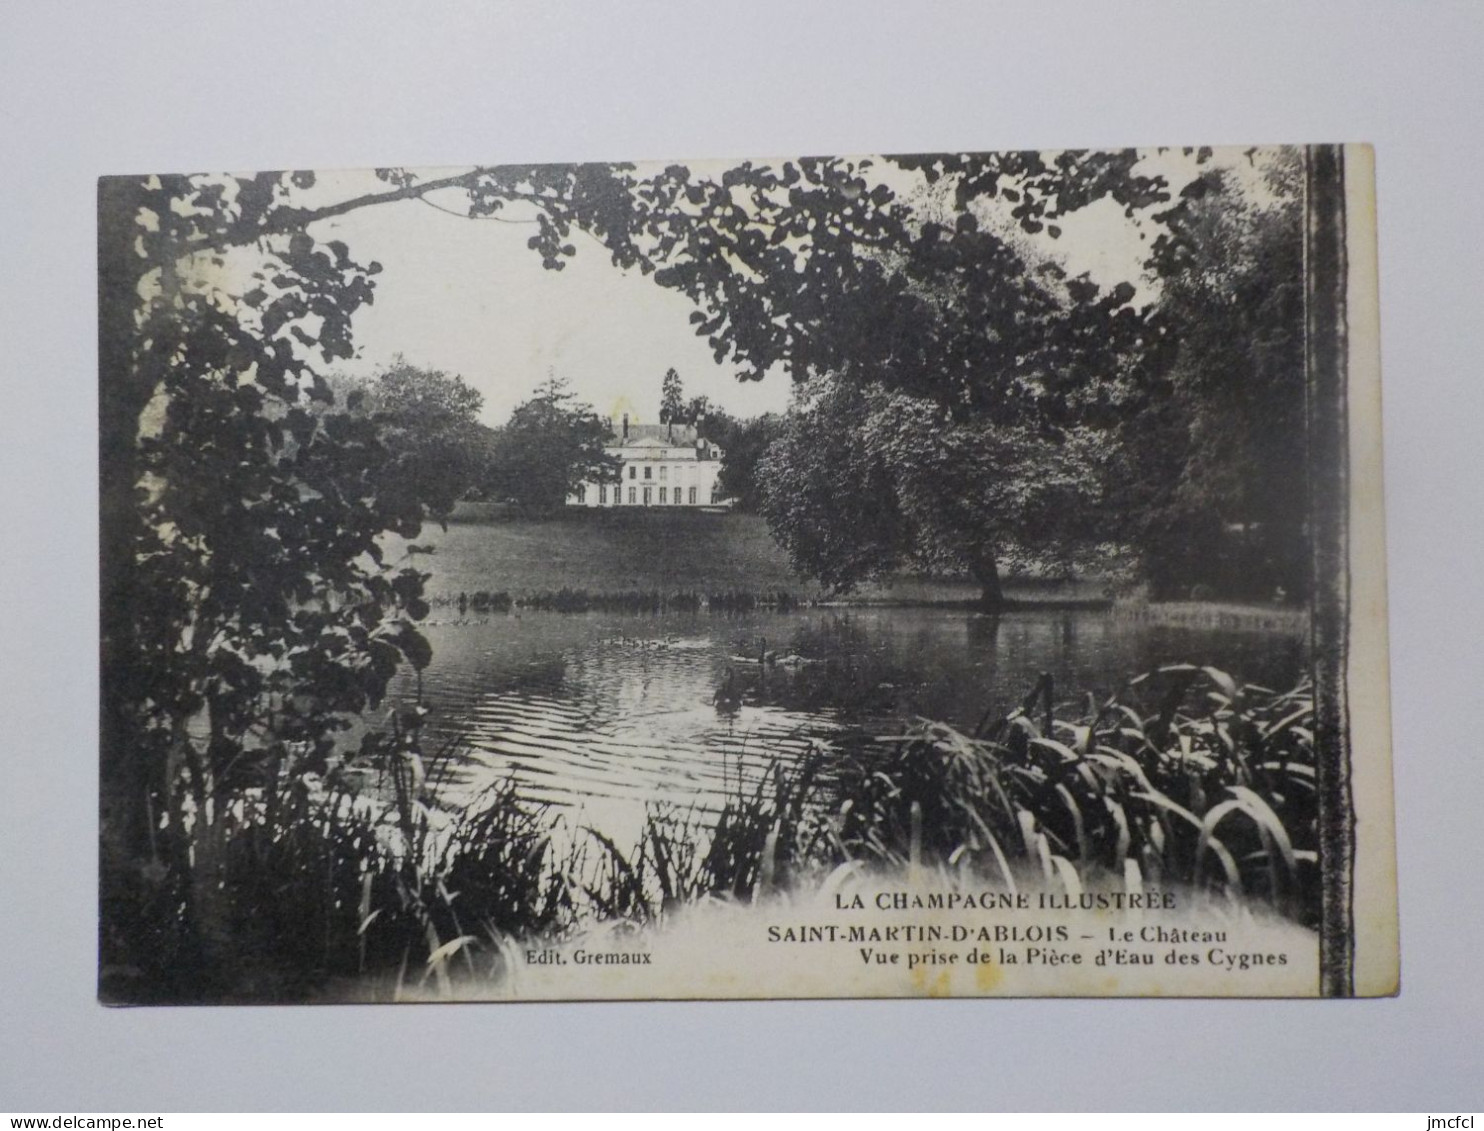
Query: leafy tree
1227, 508
1045, 187
246, 615
697, 409
551, 444
247, 612
819, 268
866, 481
744, 441
672, 399
428, 422
1006, 364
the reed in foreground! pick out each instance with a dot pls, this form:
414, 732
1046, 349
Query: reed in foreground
1187, 779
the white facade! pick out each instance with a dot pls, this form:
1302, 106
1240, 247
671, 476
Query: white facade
660, 466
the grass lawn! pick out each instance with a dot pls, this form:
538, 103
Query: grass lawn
605, 552
610, 552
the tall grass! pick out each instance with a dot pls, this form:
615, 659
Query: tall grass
1189, 777
757, 842
338, 875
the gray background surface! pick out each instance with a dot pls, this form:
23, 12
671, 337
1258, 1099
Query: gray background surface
87, 89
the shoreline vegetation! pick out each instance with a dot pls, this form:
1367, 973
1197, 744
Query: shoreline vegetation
1179, 614
360, 873
606, 561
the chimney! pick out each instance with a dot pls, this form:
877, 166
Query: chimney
625, 426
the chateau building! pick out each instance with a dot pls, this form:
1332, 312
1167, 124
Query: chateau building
661, 465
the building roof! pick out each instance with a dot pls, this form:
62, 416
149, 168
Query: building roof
674, 435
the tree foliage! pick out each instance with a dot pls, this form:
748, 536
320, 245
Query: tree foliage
866, 481
428, 422
551, 444
248, 613
744, 442
672, 399
1004, 364
820, 268
1229, 507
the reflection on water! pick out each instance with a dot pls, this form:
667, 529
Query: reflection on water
608, 712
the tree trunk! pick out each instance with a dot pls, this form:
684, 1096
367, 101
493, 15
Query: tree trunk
210, 902
987, 573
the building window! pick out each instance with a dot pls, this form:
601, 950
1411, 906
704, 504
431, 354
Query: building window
692, 496
631, 475
648, 495
648, 472
631, 496
664, 472
664, 494
677, 494
602, 495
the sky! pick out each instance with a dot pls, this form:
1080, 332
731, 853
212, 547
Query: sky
468, 297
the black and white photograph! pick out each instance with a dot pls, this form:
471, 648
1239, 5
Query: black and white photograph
947, 574
774, 556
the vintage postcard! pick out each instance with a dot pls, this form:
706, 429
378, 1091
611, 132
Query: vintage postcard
955, 574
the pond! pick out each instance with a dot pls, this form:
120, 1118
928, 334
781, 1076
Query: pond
602, 714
